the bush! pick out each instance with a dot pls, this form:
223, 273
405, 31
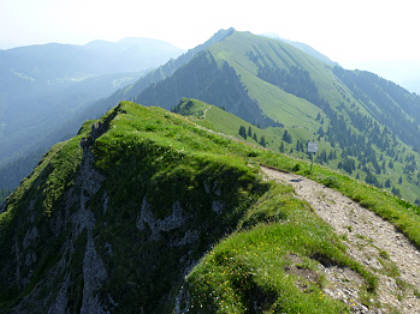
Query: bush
331, 182
296, 167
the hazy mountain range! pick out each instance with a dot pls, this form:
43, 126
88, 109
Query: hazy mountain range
43, 87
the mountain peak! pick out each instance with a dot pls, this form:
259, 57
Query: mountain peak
220, 35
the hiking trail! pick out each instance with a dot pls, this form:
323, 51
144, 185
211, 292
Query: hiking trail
371, 240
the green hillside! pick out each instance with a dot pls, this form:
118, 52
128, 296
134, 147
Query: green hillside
295, 145
367, 126
113, 219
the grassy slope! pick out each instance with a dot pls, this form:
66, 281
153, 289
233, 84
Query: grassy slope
403, 214
165, 157
248, 270
227, 123
235, 49
219, 120
296, 112
275, 102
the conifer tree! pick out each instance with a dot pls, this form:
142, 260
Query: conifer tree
281, 148
242, 131
262, 141
287, 137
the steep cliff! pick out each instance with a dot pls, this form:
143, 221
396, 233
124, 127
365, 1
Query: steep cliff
114, 218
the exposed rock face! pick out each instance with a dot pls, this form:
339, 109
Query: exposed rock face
94, 274
173, 221
79, 274
76, 219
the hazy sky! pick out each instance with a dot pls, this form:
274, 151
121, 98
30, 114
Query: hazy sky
354, 33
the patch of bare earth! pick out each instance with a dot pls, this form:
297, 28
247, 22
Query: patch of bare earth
371, 241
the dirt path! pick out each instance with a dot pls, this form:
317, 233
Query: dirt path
370, 240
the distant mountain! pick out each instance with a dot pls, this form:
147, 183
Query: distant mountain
55, 62
367, 122
157, 75
403, 72
44, 87
304, 47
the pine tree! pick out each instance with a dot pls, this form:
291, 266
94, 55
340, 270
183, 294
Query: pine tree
371, 179
242, 131
396, 191
281, 148
249, 131
254, 137
262, 141
287, 137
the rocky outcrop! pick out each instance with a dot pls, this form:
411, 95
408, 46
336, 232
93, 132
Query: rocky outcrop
175, 220
75, 219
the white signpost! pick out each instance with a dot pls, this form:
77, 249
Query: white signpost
312, 149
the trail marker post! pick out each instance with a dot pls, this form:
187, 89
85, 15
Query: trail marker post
312, 149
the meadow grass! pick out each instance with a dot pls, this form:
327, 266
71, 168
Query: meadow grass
248, 271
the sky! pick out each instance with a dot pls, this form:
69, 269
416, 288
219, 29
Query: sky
370, 34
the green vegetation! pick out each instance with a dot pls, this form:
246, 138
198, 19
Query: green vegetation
254, 269
363, 123
158, 161
40, 195
293, 142
399, 212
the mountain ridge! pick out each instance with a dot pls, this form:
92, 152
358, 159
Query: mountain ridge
145, 210
298, 91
